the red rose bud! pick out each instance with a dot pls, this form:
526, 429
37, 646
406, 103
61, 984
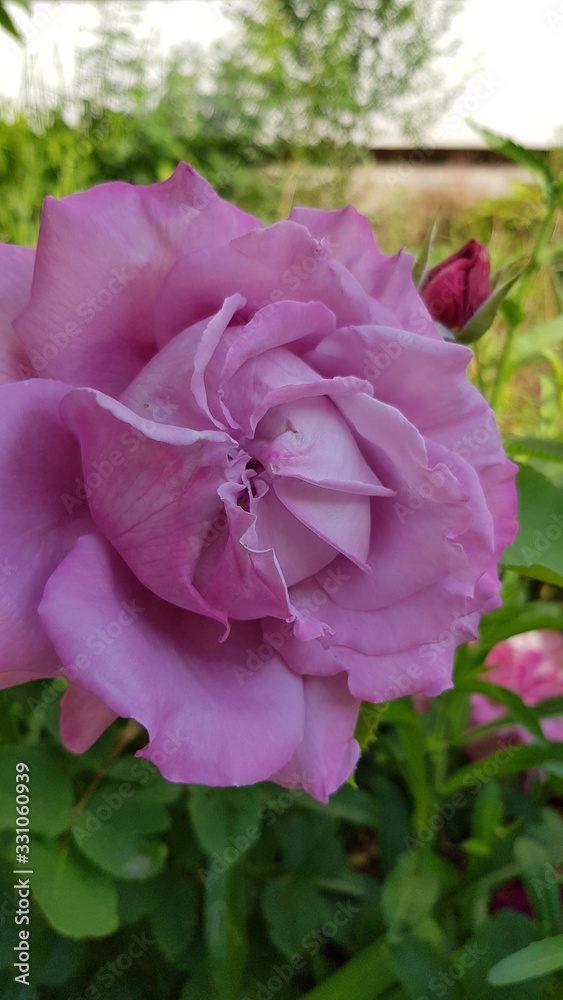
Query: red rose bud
454, 289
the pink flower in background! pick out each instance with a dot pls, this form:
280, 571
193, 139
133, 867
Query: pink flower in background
245, 484
454, 289
531, 664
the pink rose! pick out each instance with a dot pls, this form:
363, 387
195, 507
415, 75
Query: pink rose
250, 485
531, 664
454, 289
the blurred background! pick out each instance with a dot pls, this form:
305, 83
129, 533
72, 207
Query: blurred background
283, 102
325, 103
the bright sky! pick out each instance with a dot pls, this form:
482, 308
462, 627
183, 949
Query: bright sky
511, 57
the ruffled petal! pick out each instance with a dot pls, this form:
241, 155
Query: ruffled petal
265, 266
387, 279
208, 722
102, 257
328, 753
154, 491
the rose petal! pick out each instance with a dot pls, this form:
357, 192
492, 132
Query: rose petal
328, 753
16, 272
166, 668
102, 257
42, 514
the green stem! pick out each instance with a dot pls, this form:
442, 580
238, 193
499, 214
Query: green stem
365, 977
520, 296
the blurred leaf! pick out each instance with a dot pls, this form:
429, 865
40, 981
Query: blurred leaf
537, 550
296, 911
225, 932
50, 791
310, 845
498, 936
226, 821
416, 963
353, 805
487, 813
174, 914
409, 893
365, 977
530, 158
365, 732
536, 959
533, 860
64, 962
532, 344
135, 900
111, 831
77, 900
515, 759
420, 266
522, 713
483, 319
539, 448
507, 621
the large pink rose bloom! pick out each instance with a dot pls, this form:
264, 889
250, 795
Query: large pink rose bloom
530, 664
245, 482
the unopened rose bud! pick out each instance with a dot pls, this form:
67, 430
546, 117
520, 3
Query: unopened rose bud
454, 289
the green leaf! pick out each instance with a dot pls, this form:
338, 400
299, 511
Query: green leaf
369, 718
532, 344
498, 936
352, 805
111, 831
174, 914
530, 158
537, 550
295, 912
365, 977
487, 813
409, 893
482, 320
225, 931
418, 962
7, 23
537, 959
507, 621
522, 713
420, 266
539, 448
50, 791
226, 821
77, 900
310, 844
533, 861
515, 759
